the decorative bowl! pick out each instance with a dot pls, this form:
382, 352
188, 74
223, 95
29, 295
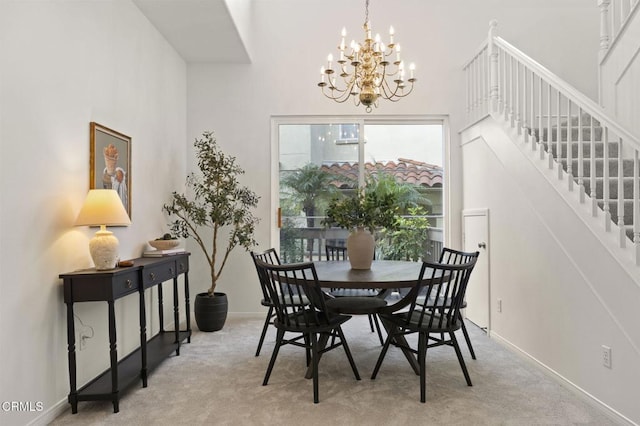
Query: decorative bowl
164, 244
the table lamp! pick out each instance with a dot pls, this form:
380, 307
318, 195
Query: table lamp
103, 208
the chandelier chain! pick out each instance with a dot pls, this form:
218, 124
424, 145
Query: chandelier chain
366, 12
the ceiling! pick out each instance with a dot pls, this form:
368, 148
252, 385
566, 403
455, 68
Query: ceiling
199, 30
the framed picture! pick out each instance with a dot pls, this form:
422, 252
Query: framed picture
110, 164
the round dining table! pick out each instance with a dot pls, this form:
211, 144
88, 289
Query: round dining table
384, 274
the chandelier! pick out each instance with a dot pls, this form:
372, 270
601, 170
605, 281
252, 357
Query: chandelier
368, 71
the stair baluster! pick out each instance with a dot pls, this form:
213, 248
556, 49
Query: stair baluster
569, 147
636, 205
592, 171
580, 157
621, 209
605, 180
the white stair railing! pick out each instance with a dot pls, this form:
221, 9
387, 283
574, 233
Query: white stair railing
503, 81
614, 16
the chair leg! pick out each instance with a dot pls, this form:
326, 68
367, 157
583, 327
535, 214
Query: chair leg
460, 359
382, 355
274, 355
348, 352
422, 355
314, 361
466, 338
371, 322
267, 321
377, 324
307, 348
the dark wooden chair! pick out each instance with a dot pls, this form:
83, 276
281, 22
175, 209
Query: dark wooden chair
270, 256
455, 257
352, 300
313, 325
444, 285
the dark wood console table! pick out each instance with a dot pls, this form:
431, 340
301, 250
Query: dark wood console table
90, 285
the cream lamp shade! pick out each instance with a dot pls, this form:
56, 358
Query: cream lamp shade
103, 208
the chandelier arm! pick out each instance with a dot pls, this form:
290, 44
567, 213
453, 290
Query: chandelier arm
388, 92
340, 99
395, 96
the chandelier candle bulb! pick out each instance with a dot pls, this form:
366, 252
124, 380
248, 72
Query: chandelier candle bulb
391, 32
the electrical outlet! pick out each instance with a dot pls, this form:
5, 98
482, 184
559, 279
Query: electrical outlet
499, 305
606, 356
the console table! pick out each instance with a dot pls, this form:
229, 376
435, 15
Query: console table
90, 285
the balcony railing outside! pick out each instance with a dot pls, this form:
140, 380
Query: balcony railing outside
300, 243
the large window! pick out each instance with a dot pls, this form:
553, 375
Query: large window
320, 159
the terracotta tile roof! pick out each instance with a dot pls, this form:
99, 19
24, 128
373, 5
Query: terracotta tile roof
404, 170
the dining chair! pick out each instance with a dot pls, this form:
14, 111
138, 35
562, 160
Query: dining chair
270, 256
352, 301
456, 257
313, 325
445, 285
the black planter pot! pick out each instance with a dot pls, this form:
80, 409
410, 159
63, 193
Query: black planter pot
210, 312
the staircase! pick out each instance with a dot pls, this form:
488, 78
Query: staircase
594, 154
587, 137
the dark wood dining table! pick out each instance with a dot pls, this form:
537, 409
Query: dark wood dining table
384, 274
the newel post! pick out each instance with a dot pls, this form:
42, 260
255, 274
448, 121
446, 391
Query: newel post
493, 66
604, 26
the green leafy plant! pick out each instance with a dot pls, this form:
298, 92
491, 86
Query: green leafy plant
407, 240
219, 204
368, 210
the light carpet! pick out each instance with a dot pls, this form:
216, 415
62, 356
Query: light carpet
217, 380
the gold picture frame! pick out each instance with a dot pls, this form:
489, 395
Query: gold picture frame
110, 162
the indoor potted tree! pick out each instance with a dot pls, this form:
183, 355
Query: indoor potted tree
217, 214
362, 214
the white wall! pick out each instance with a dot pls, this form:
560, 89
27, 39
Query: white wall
564, 294
65, 64
290, 42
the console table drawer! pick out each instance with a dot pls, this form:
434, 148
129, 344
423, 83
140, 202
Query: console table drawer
125, 284
183, 265
159, 273
96, 286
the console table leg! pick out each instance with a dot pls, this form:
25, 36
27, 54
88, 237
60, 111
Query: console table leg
71, 348
187, 309
143, 338
176, 315
160, 310
113, 352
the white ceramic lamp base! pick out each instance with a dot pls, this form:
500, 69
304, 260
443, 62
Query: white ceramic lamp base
104, 249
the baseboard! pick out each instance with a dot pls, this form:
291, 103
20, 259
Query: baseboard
48, 416
614, 415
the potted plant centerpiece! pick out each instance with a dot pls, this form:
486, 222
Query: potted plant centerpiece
217, 214
362, 214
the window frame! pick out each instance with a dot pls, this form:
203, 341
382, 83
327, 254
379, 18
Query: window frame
362, 120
